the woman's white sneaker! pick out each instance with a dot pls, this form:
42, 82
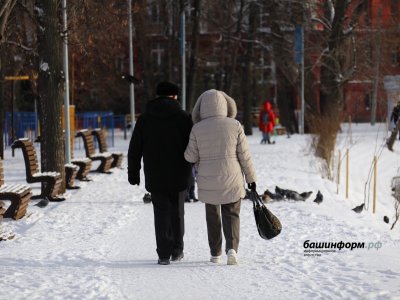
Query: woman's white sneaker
232, 258
215, 259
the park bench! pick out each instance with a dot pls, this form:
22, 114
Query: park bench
101, 139
51, 180
72, 171
19, 195
104, 158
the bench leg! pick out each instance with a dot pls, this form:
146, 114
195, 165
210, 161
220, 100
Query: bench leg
117, 160
50, 187
105, 165
70, 175
18, 206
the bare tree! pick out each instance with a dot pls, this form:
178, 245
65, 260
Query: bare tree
192, 70
336, 70
6, 9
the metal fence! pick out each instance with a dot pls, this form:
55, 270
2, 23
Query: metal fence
25, 124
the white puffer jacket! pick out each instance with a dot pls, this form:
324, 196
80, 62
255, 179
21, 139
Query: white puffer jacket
218, 147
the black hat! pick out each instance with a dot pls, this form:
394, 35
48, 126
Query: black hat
165, 88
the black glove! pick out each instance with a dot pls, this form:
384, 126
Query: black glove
252, 186
133, 179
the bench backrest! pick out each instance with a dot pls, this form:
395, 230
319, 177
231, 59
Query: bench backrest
1, 173
29, 152
87, 142
101, 138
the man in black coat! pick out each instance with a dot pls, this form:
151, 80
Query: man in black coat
160, 136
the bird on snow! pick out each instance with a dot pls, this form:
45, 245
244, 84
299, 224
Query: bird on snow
305, 195
386, 219
272, 196
147, 198
290, 194
318, 198
359, 208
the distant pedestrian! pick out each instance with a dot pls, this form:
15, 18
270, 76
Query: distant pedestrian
219, 150
394, 117
266, 123
191, 195
395, 124
160, 137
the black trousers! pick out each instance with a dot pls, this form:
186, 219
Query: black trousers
169, 222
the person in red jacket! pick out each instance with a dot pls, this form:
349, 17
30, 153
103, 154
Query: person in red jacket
266, 123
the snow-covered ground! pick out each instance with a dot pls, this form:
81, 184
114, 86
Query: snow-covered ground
100, 244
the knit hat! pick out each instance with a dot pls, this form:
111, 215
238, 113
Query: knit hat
165, 88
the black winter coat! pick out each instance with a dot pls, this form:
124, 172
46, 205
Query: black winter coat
160, 136
395, 114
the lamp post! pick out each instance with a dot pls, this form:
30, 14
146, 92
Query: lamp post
299, 50
66, 93
183, 58
131, 84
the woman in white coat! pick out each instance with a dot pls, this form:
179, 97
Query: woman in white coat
218, 148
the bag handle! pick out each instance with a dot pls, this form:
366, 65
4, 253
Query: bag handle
256, 199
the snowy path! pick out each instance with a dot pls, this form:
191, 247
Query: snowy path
100, 244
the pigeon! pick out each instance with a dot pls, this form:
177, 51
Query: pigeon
291, 195
386, 219
272, 195
147, 198
43, 203
305, 195
280, 191
359, 208
318, 198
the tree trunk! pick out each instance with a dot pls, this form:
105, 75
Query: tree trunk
50, 88
378, 51
192, 71
231, 69
286, 76
331, 94
248, 74
2, 100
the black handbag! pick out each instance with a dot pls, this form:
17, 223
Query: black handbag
268, 224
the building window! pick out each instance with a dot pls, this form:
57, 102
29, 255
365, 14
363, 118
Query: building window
157, 54
395, 57
93, 94
154, 12
368, 101
394, 8
119, 64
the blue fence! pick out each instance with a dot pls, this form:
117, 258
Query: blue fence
25, 124
97, 119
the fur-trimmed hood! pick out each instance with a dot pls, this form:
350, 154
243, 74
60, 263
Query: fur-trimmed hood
213, 103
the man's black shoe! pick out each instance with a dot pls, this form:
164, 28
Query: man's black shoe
163, 261
177, 257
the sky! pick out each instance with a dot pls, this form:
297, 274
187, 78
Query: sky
100, 242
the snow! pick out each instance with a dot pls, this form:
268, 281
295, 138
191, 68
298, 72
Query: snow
44, 66
100, 243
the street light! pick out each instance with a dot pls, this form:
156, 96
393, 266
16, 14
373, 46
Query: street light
183, 58
66, 93
131, 85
